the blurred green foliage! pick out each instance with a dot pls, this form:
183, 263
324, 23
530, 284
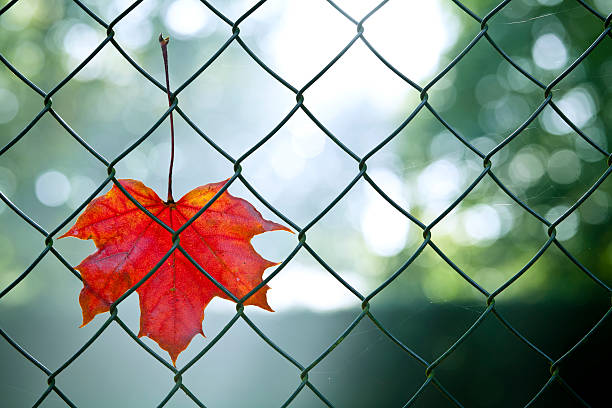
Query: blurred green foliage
548, 166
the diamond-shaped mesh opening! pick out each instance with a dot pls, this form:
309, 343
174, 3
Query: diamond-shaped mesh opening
521, 89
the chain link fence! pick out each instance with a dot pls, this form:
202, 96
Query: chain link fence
303, 368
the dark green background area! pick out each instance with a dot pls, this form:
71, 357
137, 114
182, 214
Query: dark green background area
491, 369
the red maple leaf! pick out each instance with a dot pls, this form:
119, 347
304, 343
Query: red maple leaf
173, 299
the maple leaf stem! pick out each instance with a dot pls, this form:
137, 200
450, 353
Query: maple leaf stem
163, 42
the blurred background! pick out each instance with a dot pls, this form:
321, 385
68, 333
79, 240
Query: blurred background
300, 170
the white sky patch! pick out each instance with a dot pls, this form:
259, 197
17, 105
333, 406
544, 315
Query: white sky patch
306, 287
306, 141
382, 31
396, 31
482, 224
384, 229
286, 166
52, 188
439, 181
390, 183
188, 17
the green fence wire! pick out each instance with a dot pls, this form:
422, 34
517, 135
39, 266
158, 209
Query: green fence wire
303, 368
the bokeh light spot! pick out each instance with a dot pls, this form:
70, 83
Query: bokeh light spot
482, 224
578, 105
549, 52
52, 188
186, 17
